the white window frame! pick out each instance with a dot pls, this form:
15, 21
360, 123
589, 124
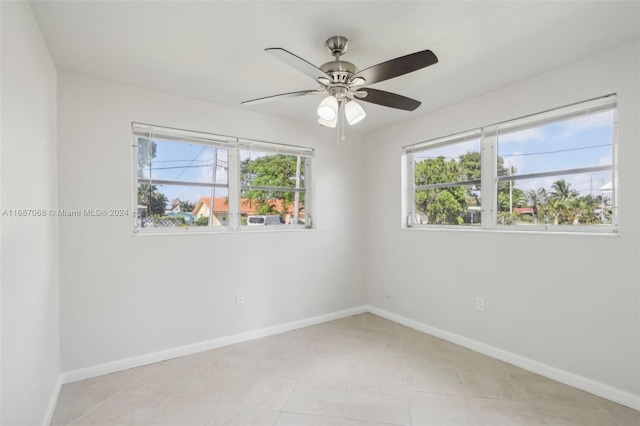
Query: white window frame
489, 166
233, 146
251, 145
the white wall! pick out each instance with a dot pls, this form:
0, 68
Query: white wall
125, 296
549, 298
30, 300
567, 301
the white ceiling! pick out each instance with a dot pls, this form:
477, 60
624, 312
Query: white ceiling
214, 51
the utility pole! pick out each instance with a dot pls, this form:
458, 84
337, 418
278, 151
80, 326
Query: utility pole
213, 188
296, 201
510, 191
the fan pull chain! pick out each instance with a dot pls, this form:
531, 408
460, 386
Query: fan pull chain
340, 124
342, 120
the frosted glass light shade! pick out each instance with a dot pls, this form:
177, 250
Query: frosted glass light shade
328, 108
328, 123
354, 112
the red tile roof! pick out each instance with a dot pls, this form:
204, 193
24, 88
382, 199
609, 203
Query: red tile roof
522, 210
247, 206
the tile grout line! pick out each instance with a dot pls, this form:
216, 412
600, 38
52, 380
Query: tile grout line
381, 355
93, 408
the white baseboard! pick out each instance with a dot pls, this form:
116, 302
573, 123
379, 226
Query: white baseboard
137, 361
562, 376
51, 408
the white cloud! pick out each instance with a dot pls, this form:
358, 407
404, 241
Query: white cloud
528, 135
580, 124
449, 152
606, 160
517, 161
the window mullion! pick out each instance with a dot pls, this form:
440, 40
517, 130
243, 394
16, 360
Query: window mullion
134, 178
614, 171
408, 190
309, 193
234, 189
488, 178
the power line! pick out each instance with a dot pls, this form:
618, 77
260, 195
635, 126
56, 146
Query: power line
553, 152
181, 161
192, 161
182, 167
523, 154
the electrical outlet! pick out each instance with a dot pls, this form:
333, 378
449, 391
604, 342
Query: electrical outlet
480, 304
240, 298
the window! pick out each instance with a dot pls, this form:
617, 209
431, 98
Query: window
194, 182
553, 171
272, 183
446, 184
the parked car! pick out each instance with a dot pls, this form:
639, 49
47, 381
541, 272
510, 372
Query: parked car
260, 220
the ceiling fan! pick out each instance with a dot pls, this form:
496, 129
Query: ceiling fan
344, 82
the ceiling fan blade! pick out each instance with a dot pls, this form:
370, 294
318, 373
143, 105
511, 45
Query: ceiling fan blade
388, 99
282, 96
298, 63
396, 67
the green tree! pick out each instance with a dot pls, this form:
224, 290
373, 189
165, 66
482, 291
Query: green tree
507, 194
156, 202
470, 169
467, 167
186, 206
201, 221
445, 209
535, 198
561, 191
271, 171
587, 209
148, 195
147, 151
562, 202
470, 166
507, 201
431, 202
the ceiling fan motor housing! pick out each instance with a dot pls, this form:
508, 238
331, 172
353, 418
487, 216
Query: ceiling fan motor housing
340, 71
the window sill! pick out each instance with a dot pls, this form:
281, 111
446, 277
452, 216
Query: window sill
221, 230
537, 231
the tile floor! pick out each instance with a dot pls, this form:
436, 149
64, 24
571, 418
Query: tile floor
361, 370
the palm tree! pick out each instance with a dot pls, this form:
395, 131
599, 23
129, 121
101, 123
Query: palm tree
585, 208
150, 196
561, 191
535, 198
561, 198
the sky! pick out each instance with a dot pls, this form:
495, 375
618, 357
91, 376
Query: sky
188, 162
192, 162
579, 142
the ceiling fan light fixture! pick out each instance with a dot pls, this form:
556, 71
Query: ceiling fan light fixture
354, 112
328, 108
328, 123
